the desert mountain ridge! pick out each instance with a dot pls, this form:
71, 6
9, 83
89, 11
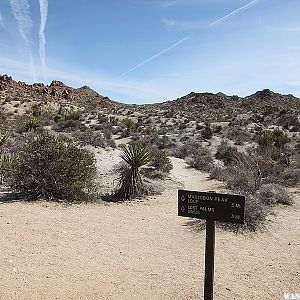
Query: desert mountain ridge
57, 91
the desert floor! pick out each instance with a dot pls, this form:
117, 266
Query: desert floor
141, 249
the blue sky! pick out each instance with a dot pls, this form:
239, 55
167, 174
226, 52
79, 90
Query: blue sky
145, 51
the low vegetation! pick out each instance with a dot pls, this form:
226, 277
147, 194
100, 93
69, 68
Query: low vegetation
251, 144
52, 167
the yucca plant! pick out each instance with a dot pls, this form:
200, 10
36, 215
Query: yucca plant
135, 155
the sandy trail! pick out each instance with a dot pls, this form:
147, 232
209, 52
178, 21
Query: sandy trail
140, 250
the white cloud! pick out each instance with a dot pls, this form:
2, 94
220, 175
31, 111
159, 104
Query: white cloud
20, 10
287, 28
183, 25
42, 39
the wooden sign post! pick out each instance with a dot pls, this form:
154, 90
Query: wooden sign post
212, 207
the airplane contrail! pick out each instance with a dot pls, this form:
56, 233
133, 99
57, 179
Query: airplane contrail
42, 39
247, 6
157, 55
20, 10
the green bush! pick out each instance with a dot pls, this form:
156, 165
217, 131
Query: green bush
4, 158
207, 132
255, 213
200, 159
238, 134
226, 153
245, 175
271, 194
52, 167
73, 115
186, 149
218, 173
31, 124
160, 161
275, 138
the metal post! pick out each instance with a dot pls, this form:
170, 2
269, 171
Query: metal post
209, 259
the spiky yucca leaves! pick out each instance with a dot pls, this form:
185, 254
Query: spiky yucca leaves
135, 155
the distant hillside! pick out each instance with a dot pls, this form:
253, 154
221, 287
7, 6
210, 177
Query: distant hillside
264, 106
55, 92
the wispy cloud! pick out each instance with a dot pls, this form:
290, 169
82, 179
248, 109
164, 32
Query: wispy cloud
42, 39
20, 10
1, 20
286, 28
245, 7
183, 25
170, 3
157, 55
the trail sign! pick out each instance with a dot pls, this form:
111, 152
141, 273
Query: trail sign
212, 206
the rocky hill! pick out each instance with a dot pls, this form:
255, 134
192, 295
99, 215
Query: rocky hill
263, 106
57, 91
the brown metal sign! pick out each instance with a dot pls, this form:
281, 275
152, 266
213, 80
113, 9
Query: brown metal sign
211, 206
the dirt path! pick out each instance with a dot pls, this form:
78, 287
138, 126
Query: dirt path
140, 250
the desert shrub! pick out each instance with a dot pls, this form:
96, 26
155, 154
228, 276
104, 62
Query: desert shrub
36, 111
207, 132
276, 138
271, 194
182, 125
164, 142
151, 187
186, 149
200, 159
238, 134
290, 176
255, 217
89, 137
129, 124
160, 161
226, 153
255, 213
102, 118
218, 173
52, 167
30, 124
69, 125
217, 128
245, 175
73, 115
154, 139
4, 157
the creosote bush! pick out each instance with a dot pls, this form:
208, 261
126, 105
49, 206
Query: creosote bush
160, 161
271, 194
226, 153
52, 167
200, 159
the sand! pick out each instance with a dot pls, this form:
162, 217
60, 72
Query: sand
141, 249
